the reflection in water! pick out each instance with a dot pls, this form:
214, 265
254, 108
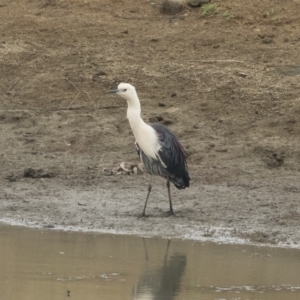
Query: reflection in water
162, 283
45, 265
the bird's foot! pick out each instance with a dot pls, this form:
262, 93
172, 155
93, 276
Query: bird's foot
170, 213
143, 215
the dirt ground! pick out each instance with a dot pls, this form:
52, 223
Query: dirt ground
226, 82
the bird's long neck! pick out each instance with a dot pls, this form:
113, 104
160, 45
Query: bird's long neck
144, 134
134, 113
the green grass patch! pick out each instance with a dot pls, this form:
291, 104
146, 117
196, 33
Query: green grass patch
208, 9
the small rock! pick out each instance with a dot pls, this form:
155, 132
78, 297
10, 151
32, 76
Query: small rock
49, 226
100, 73
37, 173
107, 172
222, 150
161, 104
266, 35
12, 93
291, 121
197, 3
173, 95
241, 74
171, 7
96, 76
267, 40
11, 178
156, 119
167, 122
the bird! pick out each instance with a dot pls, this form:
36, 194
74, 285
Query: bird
157, 146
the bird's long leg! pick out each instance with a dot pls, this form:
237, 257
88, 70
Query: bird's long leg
143, 215
170, 212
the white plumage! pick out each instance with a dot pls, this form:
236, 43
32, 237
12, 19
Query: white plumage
144, 134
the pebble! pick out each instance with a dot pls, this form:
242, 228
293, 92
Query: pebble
156, 119
167, 121
197, 3
267, 40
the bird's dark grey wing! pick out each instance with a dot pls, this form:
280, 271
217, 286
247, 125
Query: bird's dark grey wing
172, 153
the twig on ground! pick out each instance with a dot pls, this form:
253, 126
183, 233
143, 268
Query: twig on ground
215, 60
13, 85
90, 115
74, 99
83, 107
88, 94
59, 105
72, 84
110, 107
68, 144
41, 128
135, 18
104, 31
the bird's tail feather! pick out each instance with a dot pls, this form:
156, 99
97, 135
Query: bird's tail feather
181, 182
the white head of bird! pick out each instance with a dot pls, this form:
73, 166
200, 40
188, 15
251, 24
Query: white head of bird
144, 134
126, 91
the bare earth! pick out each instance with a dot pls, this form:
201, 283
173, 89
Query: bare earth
227, 84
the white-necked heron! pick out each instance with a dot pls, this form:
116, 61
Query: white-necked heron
158, 148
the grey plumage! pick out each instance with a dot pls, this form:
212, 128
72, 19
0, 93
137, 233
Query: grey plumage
171, 162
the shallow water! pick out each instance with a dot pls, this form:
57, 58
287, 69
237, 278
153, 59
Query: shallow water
44, 264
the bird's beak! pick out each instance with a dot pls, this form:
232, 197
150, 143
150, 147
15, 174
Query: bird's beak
116, 91
112, 92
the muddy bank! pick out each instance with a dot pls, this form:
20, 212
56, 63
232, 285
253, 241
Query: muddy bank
242, 210
227, 83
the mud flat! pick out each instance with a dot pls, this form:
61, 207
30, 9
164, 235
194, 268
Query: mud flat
226, 82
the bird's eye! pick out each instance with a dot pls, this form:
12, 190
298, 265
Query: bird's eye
125, 90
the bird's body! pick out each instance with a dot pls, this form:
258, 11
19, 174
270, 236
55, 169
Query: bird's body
170, 160
158, 148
